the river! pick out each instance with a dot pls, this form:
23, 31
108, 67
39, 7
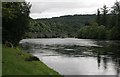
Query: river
72, 56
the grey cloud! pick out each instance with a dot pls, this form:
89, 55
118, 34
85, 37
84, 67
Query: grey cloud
48, 9
39, 7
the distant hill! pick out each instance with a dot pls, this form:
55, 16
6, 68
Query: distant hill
71, 20
63, 26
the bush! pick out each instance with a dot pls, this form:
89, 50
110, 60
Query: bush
113, 34
92, 32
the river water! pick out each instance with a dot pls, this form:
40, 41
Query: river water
72, 56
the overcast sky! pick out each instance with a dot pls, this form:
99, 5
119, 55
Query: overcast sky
55, 8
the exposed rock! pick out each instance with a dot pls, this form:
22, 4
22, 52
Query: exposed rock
32, 58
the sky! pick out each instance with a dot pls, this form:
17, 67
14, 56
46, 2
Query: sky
56, 8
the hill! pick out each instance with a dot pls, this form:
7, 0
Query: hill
63, 26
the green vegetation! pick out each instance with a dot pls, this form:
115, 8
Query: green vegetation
104, 25
15, 21
14, 63
64, 26
18, 25
108, 25
93, 32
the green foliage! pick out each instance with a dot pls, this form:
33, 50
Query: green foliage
64, 26
15, 20
116, 12
113, 34
101, 32
98, 17
109, 25
104, 15
92, 32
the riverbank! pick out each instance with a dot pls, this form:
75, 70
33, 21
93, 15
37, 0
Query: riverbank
14, 63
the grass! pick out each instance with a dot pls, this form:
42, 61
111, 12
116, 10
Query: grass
13, 63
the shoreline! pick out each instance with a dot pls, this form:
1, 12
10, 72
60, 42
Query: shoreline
14, 63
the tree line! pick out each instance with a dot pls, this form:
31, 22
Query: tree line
64, 26
16, 24
107, 24
104, 25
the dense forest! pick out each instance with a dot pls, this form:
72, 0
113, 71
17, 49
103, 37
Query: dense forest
103, 25
64, 26
18, 25
107, 25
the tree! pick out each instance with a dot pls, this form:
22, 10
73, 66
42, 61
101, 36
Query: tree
116, 15
116, 12
104, 15
15, 21
98, 17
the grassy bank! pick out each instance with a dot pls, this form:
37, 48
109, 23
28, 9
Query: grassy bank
14, 63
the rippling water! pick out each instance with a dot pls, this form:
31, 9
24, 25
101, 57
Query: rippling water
71, 56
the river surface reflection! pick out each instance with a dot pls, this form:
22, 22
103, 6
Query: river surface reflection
71, 56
